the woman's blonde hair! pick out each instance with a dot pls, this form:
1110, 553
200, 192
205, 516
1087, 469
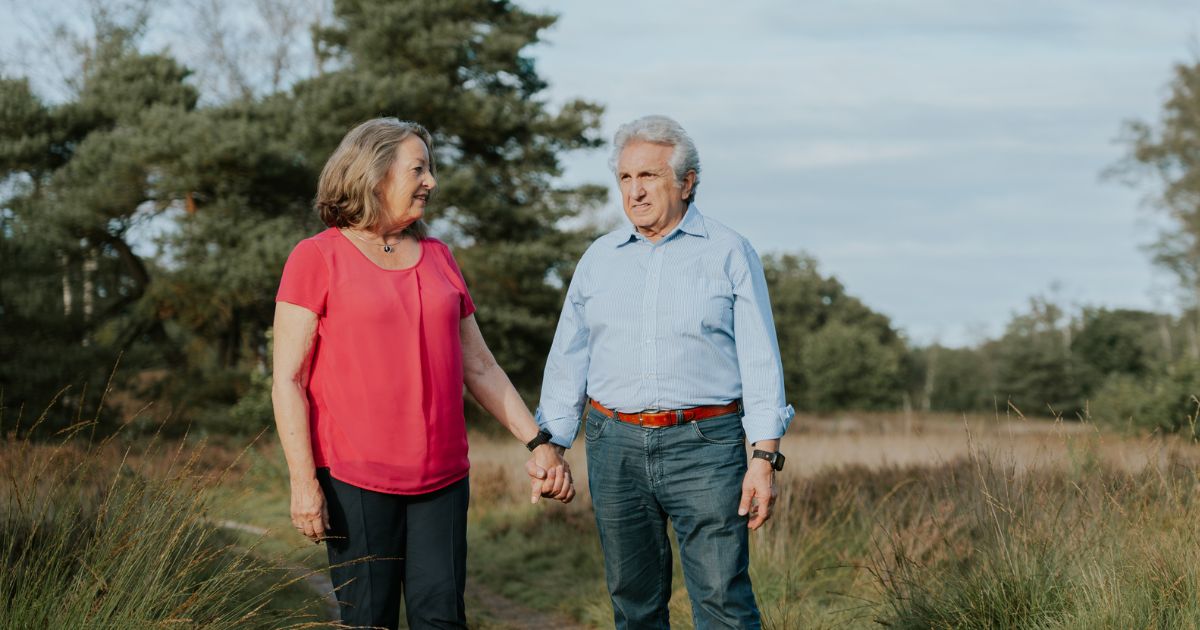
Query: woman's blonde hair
348, 191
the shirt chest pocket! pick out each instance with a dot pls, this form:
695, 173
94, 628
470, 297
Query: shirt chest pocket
698, 306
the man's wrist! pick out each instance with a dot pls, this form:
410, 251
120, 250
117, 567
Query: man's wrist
550, 447
543, 437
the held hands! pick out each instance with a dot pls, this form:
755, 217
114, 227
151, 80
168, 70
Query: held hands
758, 493
549, 474
310, 516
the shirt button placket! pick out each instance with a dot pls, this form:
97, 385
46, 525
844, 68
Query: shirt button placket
650, 322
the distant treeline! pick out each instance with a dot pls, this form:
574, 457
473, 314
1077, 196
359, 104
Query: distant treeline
1113, 365
148, 216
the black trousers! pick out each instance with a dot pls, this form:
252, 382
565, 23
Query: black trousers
388, 546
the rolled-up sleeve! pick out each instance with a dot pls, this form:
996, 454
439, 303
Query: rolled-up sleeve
564, 383
767, 414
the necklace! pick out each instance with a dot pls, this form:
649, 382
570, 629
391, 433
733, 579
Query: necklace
387, 247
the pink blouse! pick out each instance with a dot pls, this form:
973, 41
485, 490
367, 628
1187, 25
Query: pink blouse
385, 394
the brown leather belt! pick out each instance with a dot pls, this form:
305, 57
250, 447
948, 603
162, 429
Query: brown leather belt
669, 418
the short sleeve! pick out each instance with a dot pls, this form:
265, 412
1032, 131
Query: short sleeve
466, 305
305, 280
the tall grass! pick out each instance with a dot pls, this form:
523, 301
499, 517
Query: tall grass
984, 542
1093, 533
100, 534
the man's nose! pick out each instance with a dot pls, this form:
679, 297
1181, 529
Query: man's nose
636, 189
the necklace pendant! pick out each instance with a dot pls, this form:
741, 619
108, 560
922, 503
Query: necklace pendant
387, 249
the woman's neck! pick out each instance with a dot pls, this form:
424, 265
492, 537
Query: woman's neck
386, 233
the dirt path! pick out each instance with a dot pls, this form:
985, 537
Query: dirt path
317, 581
505, 614
500, 612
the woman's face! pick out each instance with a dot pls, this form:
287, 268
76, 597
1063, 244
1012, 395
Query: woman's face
405, 190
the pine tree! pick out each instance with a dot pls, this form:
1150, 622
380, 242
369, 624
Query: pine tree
227, 188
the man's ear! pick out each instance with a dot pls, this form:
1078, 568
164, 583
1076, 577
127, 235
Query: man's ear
689, 182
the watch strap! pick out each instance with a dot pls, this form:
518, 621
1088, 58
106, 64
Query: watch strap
775, 458
541, 438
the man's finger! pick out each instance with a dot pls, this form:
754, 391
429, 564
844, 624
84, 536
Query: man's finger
560, 489
760, 518
744, 506
568, 485
552, 482
762, 511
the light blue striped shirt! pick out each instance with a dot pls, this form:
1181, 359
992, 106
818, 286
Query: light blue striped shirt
679, 323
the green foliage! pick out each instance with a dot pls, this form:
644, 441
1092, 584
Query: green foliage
1169, 154
956, 379
221, 193
1167, 401
1118, 341
837, 353
1035, 369
848, 368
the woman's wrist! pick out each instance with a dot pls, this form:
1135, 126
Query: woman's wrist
303, 479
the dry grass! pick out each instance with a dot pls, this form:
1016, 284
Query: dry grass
112, 535
910, 521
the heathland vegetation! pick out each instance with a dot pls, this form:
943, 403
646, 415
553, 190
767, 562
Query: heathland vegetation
146, 209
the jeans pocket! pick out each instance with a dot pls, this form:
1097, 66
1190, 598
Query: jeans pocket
594, 426
724, 430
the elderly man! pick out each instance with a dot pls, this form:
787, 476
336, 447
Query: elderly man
666, 340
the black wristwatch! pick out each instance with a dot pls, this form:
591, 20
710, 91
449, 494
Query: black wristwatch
541, 438
773, 458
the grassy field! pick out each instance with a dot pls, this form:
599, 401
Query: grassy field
904, 521
910, 522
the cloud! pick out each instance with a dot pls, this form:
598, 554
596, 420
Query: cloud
834, 154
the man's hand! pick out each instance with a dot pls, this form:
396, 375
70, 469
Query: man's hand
549, 474
758, 493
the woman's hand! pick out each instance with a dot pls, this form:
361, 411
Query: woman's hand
310, 516
549, 474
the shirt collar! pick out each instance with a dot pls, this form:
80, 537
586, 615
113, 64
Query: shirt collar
692, 223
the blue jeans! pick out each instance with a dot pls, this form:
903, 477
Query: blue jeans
692, 475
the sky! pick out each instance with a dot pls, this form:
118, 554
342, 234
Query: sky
944, 159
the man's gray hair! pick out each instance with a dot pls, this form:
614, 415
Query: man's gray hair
661, 130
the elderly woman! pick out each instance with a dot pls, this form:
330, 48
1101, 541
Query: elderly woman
374, 340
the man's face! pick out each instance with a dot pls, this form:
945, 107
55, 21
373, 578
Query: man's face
653, 200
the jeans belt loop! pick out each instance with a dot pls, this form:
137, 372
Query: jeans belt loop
678, 417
